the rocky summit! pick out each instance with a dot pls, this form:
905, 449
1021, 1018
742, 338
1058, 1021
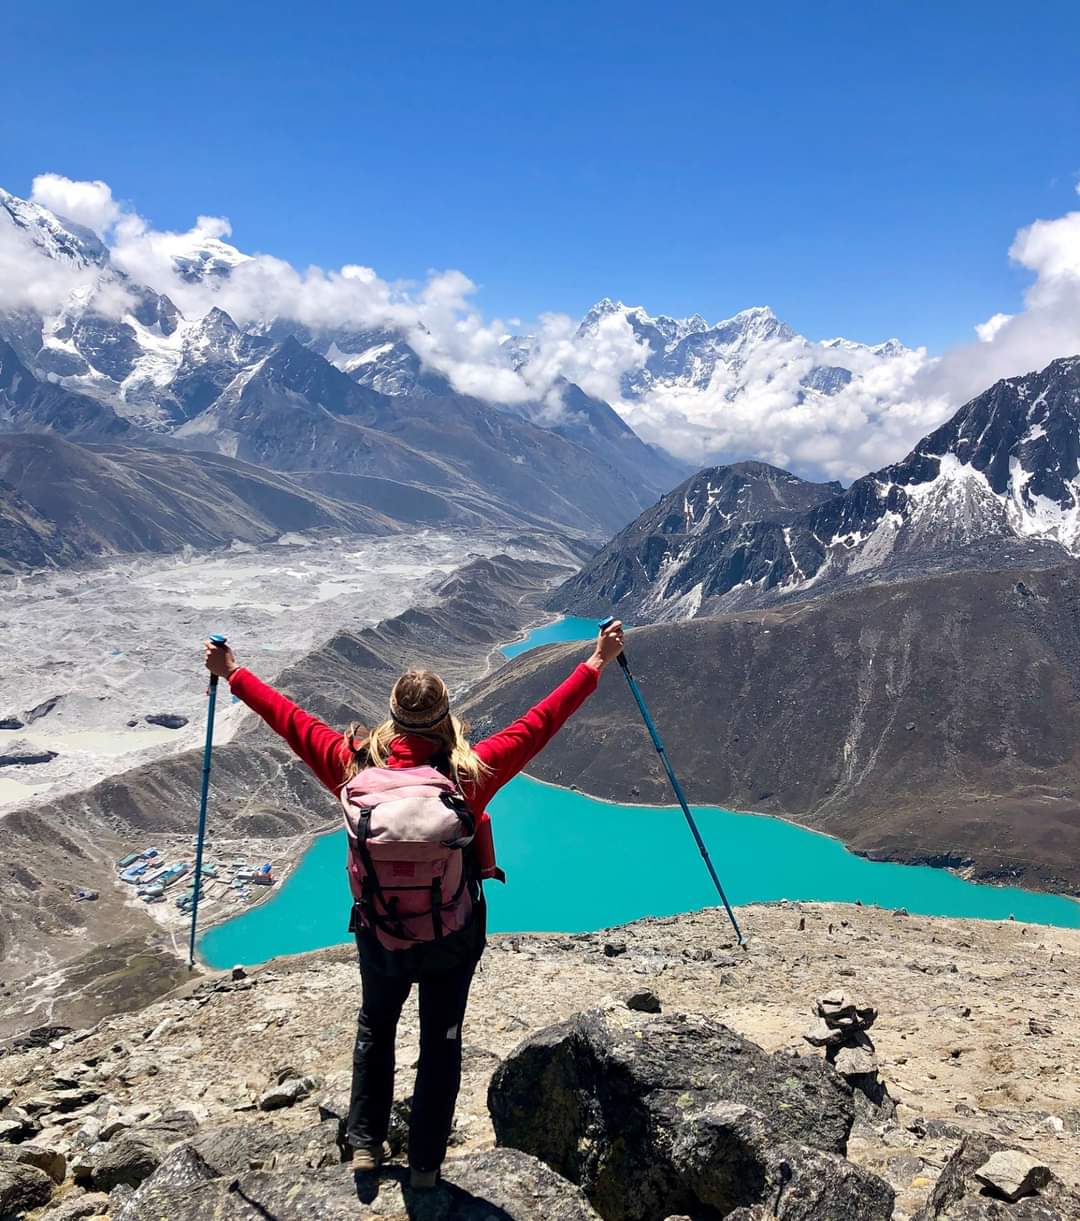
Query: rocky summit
653, 1071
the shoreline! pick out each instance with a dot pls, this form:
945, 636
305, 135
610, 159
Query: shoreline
690, 911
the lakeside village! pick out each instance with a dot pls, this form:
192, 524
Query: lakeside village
156, 881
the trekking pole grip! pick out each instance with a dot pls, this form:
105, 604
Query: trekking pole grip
219, 642
621, 659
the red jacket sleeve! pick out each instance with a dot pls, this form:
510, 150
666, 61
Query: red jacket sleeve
509, 750
320, 747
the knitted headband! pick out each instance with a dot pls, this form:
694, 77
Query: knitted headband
420, 720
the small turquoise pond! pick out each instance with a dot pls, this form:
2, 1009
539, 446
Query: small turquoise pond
616, 863
569, 628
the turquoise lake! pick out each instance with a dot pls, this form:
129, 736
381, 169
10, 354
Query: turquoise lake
576, 864
569, 628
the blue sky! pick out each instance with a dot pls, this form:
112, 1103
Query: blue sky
861, 168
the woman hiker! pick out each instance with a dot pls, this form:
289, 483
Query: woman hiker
408, 934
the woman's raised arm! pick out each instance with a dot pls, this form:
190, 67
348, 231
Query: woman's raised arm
321, 748
509, 750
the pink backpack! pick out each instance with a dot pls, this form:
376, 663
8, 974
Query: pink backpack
408, 830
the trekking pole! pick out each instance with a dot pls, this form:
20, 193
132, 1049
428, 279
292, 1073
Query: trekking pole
676, 787
211, 692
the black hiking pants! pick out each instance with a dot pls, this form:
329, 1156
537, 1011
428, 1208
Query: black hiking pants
443, 997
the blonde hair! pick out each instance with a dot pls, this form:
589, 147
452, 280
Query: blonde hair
417, 697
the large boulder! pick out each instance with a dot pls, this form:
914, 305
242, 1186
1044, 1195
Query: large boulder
236, 1148
182, 1168
501, 1184
655, 1116
727, 1156
78, 1207
52, 1161
963, 1194
136, 1153
22, 1187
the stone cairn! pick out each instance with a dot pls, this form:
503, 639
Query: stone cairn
841, 1026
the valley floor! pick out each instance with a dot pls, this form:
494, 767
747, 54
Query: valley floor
91, 652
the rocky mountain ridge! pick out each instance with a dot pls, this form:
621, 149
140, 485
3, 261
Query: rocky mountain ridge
695, 528
67, 502
998, 484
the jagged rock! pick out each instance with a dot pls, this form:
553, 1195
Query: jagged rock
501, 1184
119, 1196
167, 720
821, 1035
728, 1157
629, 1107
135, 1154
855, 1062
22, 1188
237, 1148
16, 1124
84, 1160
1011, 1174
959, 1196
51, 1161
62, 1101
333, 1103
839, 1010
612, 949
284, 1094
117, 1121
75, 1208
39, 1036
88, 1133
238, 972
643, 1001
10, 722
182, 1167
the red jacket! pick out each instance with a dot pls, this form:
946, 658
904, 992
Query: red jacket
324, 750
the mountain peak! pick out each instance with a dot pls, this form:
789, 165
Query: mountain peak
55, 236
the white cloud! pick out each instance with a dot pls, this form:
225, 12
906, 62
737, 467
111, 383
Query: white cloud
86, 203
30, 280
988, 329
754, 412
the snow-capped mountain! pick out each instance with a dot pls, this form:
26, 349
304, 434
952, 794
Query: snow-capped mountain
998, 483
691, 530
58, 238
690, 354
353, 407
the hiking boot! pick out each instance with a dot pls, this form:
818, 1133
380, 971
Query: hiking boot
367, 1158
423, 1180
